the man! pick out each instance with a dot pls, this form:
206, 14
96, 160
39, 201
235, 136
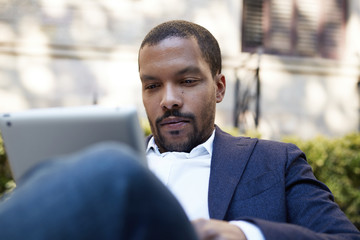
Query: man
260, 188
230, 188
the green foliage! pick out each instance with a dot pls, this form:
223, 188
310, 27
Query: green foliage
5, 175
145, 126
336, 162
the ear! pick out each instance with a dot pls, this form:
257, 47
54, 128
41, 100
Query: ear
220, 87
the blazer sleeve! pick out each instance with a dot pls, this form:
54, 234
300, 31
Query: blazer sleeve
311, 210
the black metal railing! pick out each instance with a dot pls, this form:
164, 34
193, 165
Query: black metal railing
247, 94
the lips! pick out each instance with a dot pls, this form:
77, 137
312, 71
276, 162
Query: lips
174, 122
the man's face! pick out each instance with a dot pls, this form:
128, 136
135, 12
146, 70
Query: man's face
179, 93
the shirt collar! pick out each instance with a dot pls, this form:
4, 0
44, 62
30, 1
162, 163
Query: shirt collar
204, 148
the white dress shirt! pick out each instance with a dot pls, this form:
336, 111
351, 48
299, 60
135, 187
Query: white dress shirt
187, 175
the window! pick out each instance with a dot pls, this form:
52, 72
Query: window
312, 28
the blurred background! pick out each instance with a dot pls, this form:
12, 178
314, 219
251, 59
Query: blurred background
292, 66
292, 69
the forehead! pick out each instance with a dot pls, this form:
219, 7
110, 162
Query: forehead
169, 52
172, 43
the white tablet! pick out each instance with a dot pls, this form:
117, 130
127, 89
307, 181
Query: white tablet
36, 135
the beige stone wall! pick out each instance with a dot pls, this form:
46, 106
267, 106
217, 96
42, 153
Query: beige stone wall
72, 52
308, 97
65, 53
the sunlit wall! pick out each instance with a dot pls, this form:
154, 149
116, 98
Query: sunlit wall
77, 52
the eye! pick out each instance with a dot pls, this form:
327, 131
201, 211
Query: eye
189, 82
151, 86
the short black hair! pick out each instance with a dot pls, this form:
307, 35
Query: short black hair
208, 45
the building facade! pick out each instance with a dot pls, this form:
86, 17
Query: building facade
71, 53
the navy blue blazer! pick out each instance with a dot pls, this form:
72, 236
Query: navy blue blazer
271, 185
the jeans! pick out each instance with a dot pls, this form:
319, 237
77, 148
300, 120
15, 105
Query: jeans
99, 193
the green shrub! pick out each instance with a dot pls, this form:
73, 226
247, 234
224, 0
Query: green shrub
5, 175
336, 162
145, 125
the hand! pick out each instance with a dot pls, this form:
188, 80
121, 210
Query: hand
217, 230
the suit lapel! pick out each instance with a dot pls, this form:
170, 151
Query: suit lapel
229, 159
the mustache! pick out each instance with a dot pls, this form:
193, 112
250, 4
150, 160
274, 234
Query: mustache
175, 113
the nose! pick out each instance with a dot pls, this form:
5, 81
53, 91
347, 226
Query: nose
172, 98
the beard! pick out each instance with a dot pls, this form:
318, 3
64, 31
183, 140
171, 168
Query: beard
195, 137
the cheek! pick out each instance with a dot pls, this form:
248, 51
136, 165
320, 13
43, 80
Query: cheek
208, 104
151, 108
206, 99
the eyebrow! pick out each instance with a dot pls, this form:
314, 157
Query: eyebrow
145, 77
190, 69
